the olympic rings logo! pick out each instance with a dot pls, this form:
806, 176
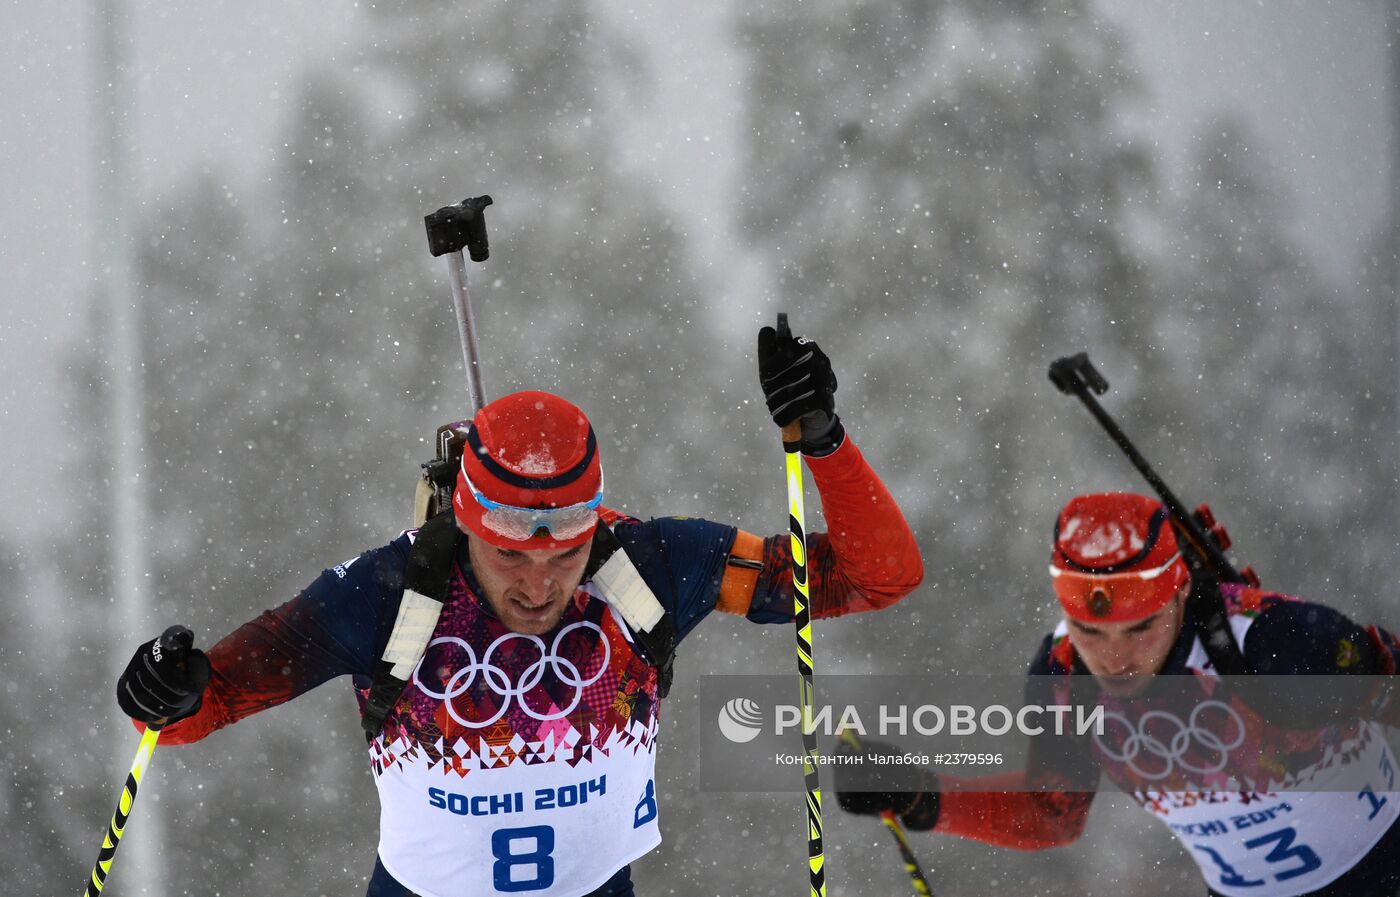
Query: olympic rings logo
1147, 737
498, 681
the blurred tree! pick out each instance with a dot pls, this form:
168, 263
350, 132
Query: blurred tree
1263, 393
32, 664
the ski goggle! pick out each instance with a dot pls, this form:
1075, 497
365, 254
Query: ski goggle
1118, 597
522, 524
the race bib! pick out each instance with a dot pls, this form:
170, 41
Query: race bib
1273, 845
528, 830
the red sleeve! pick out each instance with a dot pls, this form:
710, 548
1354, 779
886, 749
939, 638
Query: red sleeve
867, 561
1046, 804
251, 669
999, 810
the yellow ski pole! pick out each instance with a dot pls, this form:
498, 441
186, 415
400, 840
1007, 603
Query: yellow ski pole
103, 867
792, 447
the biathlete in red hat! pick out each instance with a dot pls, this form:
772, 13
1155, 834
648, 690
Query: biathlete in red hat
1123, 587
515, 750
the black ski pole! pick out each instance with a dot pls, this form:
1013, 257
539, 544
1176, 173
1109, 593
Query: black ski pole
450, 230
891, 821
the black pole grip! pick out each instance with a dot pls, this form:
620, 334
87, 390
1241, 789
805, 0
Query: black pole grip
782, 329
453, 228
177, 641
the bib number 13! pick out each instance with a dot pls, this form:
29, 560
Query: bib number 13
1282, 849
524, 858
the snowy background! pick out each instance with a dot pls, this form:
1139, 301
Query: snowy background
947, 194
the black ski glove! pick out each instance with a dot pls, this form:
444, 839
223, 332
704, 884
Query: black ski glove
165, 680
871, 788
798, 384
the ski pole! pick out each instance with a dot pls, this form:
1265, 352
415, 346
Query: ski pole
117, 826
450, 230
891, 821
792, 448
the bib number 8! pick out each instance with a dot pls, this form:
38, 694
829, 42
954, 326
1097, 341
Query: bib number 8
513, 865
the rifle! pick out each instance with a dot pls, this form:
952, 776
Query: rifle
450, 230
1202, 538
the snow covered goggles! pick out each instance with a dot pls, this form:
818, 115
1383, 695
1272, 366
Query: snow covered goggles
522, 524
1117, 597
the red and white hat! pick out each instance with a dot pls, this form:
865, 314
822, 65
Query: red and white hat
531, 478
1115, 558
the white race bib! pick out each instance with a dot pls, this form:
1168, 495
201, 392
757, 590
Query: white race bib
1279, 845
527, 829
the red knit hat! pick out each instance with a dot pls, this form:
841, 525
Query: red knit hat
531, 478
1115, 558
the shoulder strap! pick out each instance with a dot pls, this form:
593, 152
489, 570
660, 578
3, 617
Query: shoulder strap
425, 582
652, 627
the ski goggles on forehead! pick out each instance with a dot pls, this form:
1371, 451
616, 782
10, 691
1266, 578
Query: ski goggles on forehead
522, 524
1115, 595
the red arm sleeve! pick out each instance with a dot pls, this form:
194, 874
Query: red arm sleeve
1046, 804
867, 560
259, 665
999, 810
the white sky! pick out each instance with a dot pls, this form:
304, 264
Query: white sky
216, 85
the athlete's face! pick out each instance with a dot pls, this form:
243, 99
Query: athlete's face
527, 590
1123, 656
